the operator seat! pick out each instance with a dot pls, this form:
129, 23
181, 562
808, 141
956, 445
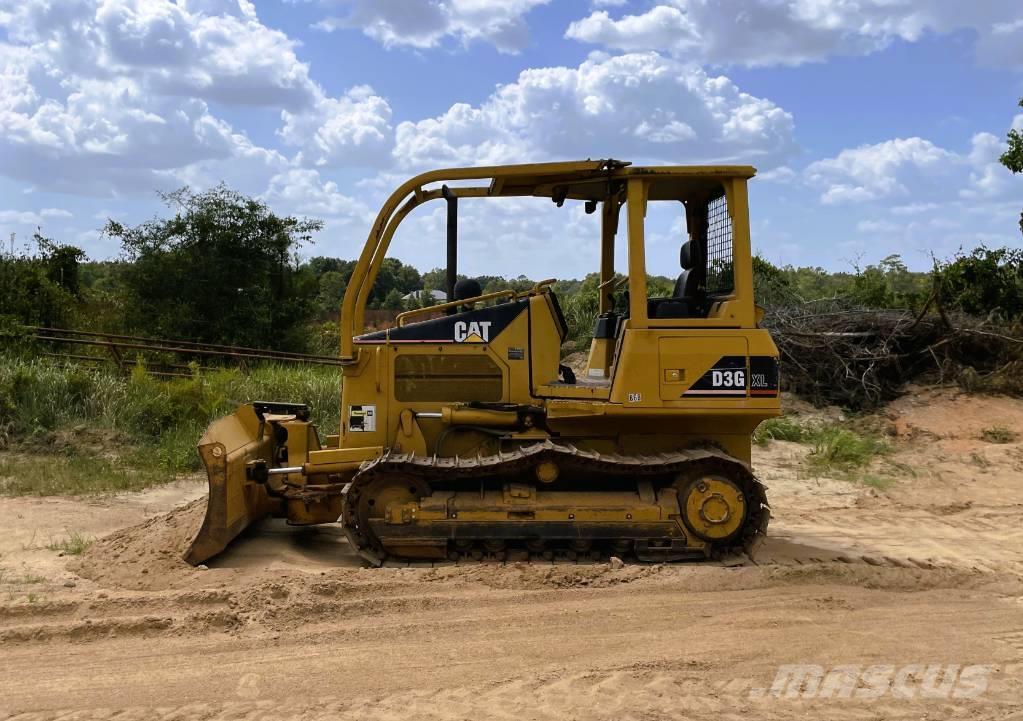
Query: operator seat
685, 300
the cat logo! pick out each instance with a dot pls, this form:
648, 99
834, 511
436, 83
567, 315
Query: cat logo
472, 332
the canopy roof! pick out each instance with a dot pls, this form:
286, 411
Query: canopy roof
585, 179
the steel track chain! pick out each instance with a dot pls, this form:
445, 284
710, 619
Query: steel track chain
568, 456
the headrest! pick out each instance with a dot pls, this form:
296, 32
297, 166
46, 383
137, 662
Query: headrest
685, 256
467, 288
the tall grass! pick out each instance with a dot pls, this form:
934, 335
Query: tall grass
157, 422
843, 450
783, 428
74, 545
39, 395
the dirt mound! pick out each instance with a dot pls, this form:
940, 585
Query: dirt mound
148, 555
951, 414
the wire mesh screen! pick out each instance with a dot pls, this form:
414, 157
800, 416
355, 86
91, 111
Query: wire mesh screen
720, 277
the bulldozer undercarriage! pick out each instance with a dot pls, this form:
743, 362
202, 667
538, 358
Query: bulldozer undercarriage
520, 504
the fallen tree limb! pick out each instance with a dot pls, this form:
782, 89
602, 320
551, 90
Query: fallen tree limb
834, 353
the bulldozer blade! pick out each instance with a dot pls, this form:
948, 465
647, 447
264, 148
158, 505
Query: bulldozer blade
234, 501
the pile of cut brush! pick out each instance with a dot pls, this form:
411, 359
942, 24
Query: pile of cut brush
835, 353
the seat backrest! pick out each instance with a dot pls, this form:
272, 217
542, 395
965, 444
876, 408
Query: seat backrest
687, 256
686, 283
680, 285
684, 301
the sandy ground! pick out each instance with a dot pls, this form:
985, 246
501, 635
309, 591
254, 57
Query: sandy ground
924, 574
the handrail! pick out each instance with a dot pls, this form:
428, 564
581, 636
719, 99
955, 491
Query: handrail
362, 290
454, 303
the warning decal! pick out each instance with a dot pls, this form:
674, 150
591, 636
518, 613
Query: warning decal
362, 418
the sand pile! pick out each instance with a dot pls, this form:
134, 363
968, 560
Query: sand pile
147, 556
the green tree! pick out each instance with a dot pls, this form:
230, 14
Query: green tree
221, 269
771, 285
40, 287
437, 279
393, 300
983, 283
889, 284
394, 275
320, 265
332, 292
1012, 158
62, 263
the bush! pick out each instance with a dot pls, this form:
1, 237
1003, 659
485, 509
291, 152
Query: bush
581, 309
835, 448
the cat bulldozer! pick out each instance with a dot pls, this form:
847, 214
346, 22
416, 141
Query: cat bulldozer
463, 436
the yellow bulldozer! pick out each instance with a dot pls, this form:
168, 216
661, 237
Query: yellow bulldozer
464, 437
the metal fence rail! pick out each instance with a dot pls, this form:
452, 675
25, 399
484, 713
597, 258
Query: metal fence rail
118, 347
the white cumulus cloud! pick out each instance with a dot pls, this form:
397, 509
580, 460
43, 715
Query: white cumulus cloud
427, 23
108, 96
107, 135
882, 170
790, 32
640, 107
217, 51
352, 129
911, 195
302, 191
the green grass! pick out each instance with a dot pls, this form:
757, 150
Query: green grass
784, 428
152, 425
38, 395
998, 434
839, 449
75, 475
74, 545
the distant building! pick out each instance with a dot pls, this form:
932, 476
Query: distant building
439, 296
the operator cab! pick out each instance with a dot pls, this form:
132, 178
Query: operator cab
706, 292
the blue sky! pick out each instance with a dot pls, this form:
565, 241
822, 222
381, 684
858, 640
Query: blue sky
875, 124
